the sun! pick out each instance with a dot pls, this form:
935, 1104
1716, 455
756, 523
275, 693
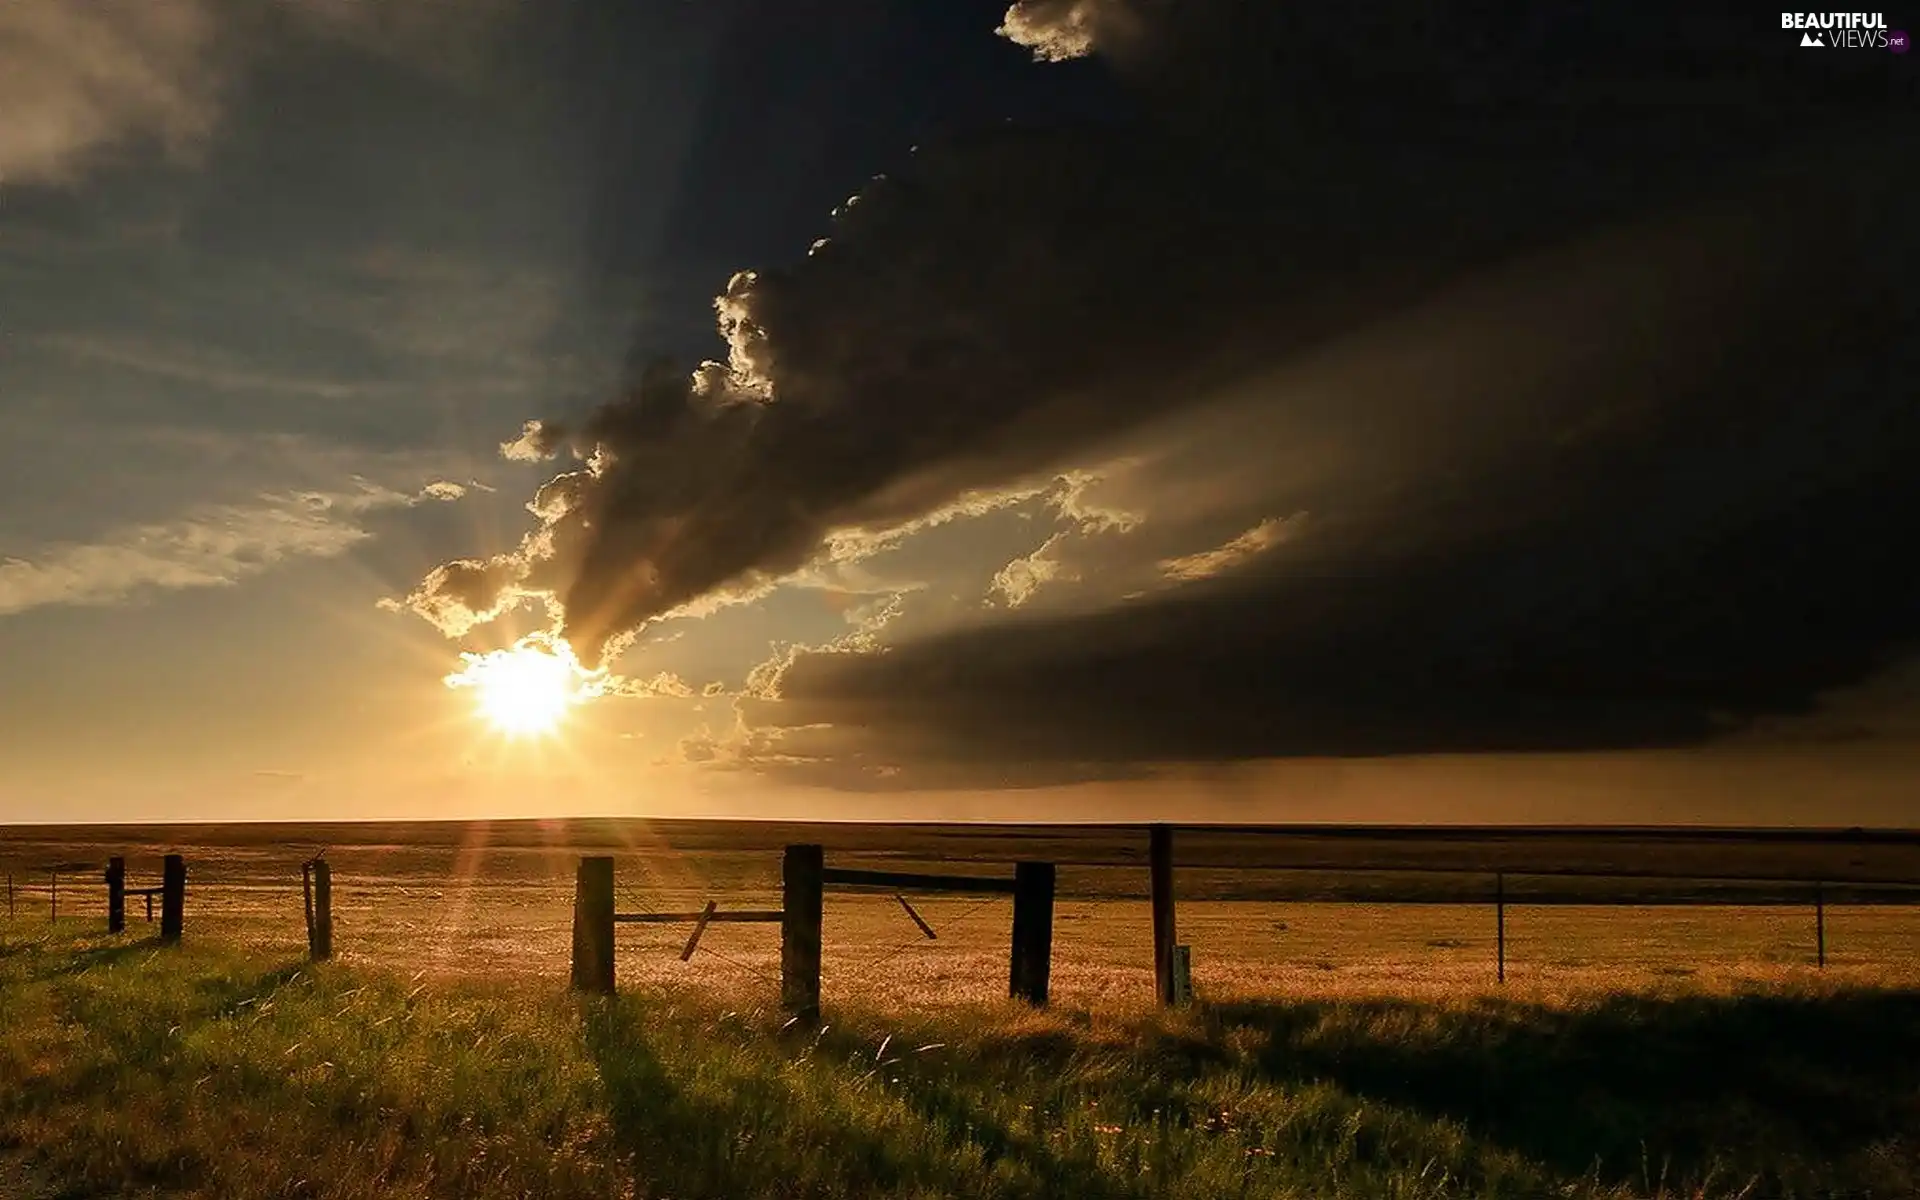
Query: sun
526, 689
526, 692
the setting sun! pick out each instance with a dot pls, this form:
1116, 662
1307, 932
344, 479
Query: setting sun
526, 690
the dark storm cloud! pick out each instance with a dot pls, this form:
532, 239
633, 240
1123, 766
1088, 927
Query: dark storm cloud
1612, 561
1662, 528
971, 317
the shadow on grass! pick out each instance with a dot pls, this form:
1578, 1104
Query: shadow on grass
795, 1117
742, 1131
1007, 1062
1786, 1089
79, 962
223, 999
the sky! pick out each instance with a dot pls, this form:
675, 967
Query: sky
1083, 410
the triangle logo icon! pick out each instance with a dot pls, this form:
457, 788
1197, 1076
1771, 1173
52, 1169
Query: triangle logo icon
1807, 39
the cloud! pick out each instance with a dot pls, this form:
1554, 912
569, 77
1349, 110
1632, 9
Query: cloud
79, 79
211, 546
1056, 30
201, 366
1538, 548
1016, 582
1530, 393
666, 684
1230, 555
968, 324
465, 593
698, 748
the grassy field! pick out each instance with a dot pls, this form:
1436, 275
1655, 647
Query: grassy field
1639, 1048
218, 1071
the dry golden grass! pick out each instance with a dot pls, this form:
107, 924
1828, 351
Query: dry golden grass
1339, 1049
211, 1071
477, 901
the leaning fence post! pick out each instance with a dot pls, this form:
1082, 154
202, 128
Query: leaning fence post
116, 894
320, 911
593, 926
699, 928
1500, 925
1820, 925
173, 897
1032, 958
803, 906
1160, 872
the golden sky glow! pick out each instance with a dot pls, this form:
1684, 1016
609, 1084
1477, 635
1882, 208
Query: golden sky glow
882, 475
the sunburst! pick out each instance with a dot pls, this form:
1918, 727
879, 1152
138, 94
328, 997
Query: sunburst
527, 689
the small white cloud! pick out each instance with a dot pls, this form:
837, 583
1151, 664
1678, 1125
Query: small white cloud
531, 446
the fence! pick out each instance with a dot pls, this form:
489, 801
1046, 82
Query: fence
806, 878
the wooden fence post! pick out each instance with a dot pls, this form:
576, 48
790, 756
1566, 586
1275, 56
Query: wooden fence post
1160, 870
699, 928
1820, 925
116, 894
803, 906
1500, 925
320, 912
9, 895
1182, 976
1032, 959
915, 916
53, 895
593, 926
173, 898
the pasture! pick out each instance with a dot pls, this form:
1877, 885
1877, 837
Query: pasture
1407, 911
1348, 1037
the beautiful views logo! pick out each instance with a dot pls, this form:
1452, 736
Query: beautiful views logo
1847, 31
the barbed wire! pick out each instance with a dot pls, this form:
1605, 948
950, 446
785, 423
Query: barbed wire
747, 967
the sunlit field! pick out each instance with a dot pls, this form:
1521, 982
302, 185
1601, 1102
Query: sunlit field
1336, 1048
495, 900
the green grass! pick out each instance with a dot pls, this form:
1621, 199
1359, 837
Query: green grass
205, 1071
